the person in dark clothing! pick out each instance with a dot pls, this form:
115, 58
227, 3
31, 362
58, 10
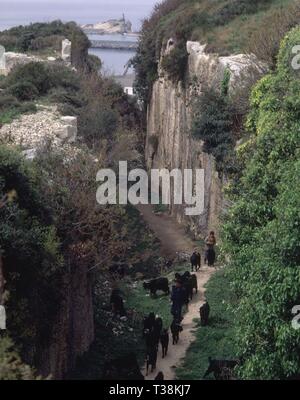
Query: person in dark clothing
178, 299
210, 254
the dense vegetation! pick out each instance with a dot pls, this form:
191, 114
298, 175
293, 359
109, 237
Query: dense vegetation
261, 233
214, 122
31, 258
46, 38
100, 104
227, 26
49, 218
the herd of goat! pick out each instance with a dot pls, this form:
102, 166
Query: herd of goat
153, 331
155, 334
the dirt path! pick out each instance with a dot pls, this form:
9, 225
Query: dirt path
174, 239
171, 235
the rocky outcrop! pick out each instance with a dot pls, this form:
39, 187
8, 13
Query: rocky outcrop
73, 330
169, 143
9, 59
113, 26
66, 50
35, 132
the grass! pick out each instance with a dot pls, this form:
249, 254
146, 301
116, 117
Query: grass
7, 116
108, 345
90, 366
138, 299
215, 340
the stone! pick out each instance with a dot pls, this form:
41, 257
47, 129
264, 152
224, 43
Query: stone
35, 132
66, 50
29, 154
69, 128
2, 61
112, 26
13, 59
169, 120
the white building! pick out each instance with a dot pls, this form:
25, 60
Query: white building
126, 81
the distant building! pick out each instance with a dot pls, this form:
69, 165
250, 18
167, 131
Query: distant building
126, 81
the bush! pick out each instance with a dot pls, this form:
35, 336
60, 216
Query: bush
66, 97
262, 228
225, 26
97, 123
265, 42
24, 91
8, 101
31, 257
175, 62
34, 73
94, 63
213, 122
235, 8
13, 111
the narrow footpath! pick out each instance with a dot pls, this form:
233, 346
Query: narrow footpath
173, 240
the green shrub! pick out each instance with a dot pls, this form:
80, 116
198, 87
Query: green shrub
24, 90
175, 62
261, 232
94, 63
31, 257
213, 122
15, 110
66, 97
97, 123
8, 101
225, 26
235, 8
60, 76
34, 73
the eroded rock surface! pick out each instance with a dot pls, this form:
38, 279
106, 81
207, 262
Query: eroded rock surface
169, 143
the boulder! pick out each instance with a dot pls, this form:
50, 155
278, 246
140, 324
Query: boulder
66, 50
2, 61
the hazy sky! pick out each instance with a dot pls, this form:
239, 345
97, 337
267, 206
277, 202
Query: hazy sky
16, 12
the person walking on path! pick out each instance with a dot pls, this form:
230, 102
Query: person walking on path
210, 254
178, 298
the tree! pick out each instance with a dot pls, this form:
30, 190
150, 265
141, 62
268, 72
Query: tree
262, 228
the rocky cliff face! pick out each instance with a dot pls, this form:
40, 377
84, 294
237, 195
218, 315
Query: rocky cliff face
73, 331
169, 143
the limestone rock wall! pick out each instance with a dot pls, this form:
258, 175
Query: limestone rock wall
73, 331
169, 143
